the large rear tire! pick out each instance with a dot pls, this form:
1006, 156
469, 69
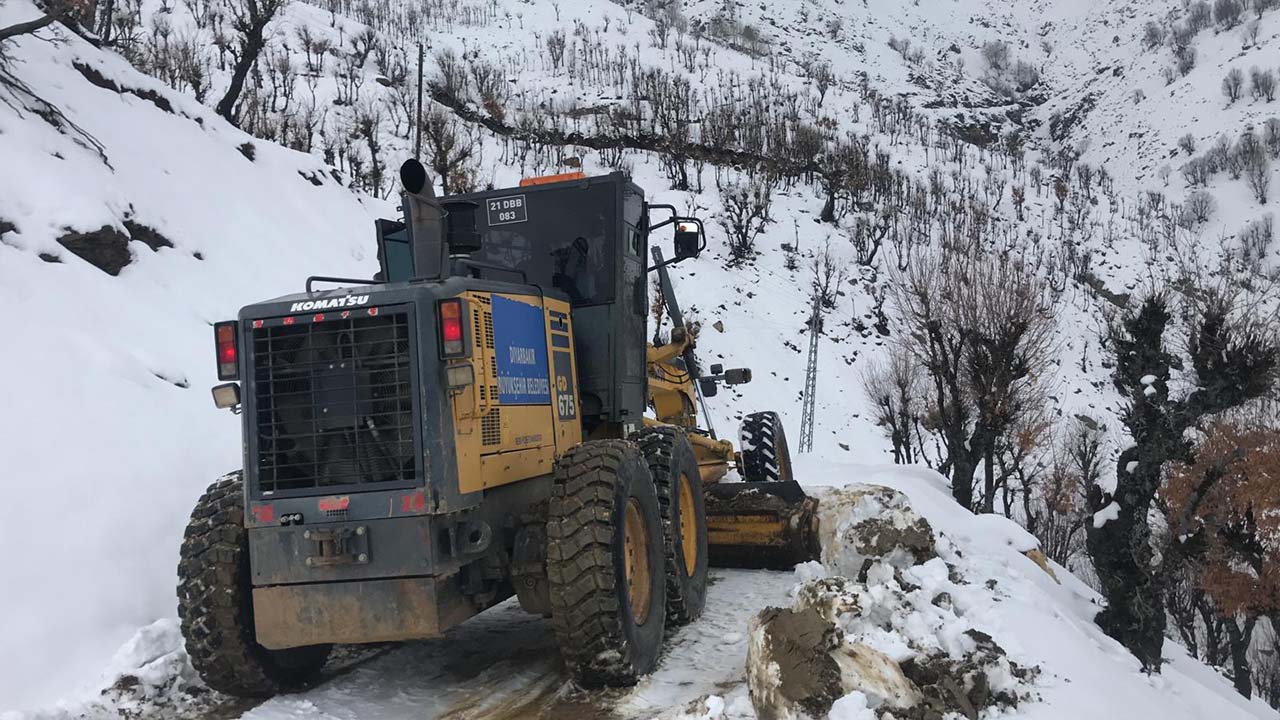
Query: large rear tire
765, 455
605, 563
674, 468
215, 603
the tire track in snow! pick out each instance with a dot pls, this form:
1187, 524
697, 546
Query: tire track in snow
504, 665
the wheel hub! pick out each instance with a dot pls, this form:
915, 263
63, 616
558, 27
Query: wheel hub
636, 561
688, 526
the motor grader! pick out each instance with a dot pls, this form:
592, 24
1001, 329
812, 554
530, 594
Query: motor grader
484, 418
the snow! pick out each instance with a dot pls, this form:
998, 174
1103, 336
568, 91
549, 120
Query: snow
1040, 622
851, 707
1106, 514
110, 434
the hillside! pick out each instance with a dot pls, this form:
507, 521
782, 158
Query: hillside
140, 217
110, 434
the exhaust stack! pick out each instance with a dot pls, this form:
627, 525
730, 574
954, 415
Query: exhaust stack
424, 218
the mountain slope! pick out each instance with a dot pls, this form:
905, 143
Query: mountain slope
109, 433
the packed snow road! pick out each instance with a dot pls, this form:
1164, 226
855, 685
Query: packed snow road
504, 664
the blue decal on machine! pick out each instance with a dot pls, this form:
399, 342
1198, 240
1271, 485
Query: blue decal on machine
520, 342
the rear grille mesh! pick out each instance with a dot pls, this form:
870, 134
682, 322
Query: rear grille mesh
334, 403
491, 428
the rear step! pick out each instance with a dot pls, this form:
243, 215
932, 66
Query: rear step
769, 525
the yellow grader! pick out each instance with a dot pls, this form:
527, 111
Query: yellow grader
485, 418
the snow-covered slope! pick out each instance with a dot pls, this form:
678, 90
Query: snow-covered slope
109, 434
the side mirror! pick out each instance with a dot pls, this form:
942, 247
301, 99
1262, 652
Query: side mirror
708, 386
688, 240
738, 376
717, 369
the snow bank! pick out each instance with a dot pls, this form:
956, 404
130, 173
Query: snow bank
1036, 619
109, 434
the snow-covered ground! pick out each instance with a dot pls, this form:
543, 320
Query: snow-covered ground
503, 663
109, 434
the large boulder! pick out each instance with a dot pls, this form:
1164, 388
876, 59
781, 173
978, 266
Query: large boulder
799, 665
863, 524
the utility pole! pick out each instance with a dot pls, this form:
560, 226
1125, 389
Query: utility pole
811, 377
417, 119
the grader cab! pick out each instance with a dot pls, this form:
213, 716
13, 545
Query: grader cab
483, 419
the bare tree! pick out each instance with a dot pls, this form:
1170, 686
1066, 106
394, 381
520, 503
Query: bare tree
1228, 12
1232, 84
1200, 205
894, 389
980, 325
1152, 35
827, 275
451, 143
1055, 509
1262, 84
744, 215
54, 11
249, 18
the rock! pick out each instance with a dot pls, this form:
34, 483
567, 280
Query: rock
874, 674
984, 678
790, 671
798, 666
861, 524
1037, 556
830, 596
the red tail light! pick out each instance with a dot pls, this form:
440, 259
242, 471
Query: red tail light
453, 341
225, 336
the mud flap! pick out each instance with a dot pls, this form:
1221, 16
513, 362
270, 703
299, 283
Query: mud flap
769, 525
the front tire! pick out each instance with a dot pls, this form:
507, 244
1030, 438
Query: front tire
765, 455
674, 468
215, 603
605, 564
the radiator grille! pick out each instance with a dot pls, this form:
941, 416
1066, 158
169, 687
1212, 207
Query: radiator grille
482, 332
334, 402
491, 428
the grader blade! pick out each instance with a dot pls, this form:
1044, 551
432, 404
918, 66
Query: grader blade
767, 525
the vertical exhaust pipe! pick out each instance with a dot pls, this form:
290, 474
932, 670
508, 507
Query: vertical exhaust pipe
424, 217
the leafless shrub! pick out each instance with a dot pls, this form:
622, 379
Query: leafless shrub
1232, 84
1271, 136
1199, 16
895, 389
1200, 206
1228, 12
826, 277
744, 215
996, 53
1152, 35
1186, 60
1262, 84
1055, 508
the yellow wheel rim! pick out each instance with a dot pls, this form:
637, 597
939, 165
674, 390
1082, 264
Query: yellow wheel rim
688, 526
636, 561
